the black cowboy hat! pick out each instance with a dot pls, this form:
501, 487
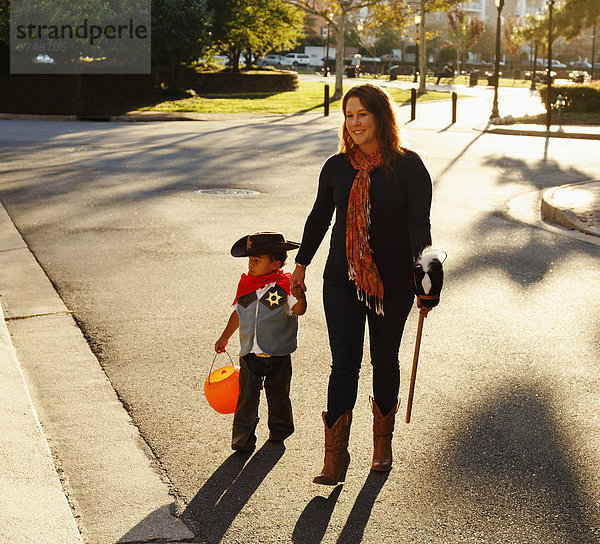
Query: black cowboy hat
260, 243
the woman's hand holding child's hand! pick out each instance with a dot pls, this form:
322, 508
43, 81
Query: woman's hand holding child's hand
297, 277
297, 291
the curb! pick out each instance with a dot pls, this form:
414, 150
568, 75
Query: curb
557, 134
140, 117
542, 133
561, 215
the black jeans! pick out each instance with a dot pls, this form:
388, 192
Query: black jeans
277, 374
346, 316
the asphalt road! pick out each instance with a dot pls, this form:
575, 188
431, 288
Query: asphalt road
504, 444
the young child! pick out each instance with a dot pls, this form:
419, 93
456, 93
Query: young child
266, 313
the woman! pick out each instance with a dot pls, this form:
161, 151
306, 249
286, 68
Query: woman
381, 195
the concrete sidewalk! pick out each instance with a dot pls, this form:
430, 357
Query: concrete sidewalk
61, 416
34, 507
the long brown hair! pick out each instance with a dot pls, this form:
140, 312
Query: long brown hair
377, 102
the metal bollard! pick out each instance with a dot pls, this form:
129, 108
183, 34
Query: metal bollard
413, 104
326, 100
454, 100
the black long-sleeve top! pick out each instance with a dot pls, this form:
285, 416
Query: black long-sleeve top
400, 226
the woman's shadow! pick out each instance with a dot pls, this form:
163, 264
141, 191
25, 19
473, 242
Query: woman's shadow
312, 523
211, 512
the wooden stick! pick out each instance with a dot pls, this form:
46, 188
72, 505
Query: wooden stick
422, 315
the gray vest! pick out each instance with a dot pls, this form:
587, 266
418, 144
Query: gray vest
276, 332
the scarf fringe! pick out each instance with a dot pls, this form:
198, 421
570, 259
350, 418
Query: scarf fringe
365, 297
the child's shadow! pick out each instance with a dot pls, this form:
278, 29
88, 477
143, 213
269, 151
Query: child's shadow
222, 497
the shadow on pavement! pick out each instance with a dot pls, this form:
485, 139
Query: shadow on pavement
361, 511
524, 254
511, 465
312, 523
456, 159
103, 171
211, 512
541, 174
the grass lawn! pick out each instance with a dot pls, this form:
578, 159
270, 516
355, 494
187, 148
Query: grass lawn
309, 96
567, 118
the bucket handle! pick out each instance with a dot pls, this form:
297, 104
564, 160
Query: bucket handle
213, 363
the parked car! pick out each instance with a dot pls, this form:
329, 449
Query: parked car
269, 60
555, 63
581, 65
295, 59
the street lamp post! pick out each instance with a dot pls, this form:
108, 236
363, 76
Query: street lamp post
549, 73
417, 23
495, 113
327, 51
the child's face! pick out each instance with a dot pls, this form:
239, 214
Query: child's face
261, 265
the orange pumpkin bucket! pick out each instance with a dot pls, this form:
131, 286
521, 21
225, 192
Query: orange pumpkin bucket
222, 387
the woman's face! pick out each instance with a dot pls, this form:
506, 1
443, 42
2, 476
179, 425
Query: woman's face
361, 125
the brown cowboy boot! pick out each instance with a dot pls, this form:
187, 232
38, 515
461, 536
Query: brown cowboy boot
337, 457
383, 428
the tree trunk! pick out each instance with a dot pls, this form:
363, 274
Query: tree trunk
422, 53
340, 28
234, 58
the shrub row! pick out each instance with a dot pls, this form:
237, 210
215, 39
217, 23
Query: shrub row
578, 98
77, 94
240, 82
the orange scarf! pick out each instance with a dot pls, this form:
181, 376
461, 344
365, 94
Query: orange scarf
361, 266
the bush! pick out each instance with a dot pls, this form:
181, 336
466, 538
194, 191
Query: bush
578, 98
241, 82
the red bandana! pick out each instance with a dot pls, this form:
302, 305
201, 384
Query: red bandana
361, 266
249, 283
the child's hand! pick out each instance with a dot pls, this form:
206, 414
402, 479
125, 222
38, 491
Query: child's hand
220, 345
297, 291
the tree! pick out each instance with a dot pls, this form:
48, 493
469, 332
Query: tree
574, 16
180, 32
511, 40
464, 32
254, 26
422, 8
486, 44
336, 13
388, 40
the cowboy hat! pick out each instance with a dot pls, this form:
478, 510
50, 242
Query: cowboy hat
260, 243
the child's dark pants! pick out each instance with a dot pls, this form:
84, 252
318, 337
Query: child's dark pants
276, 372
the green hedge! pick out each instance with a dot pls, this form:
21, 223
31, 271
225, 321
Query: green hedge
578, 97
241, 82
94, 95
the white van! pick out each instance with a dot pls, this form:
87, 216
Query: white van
295, 59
